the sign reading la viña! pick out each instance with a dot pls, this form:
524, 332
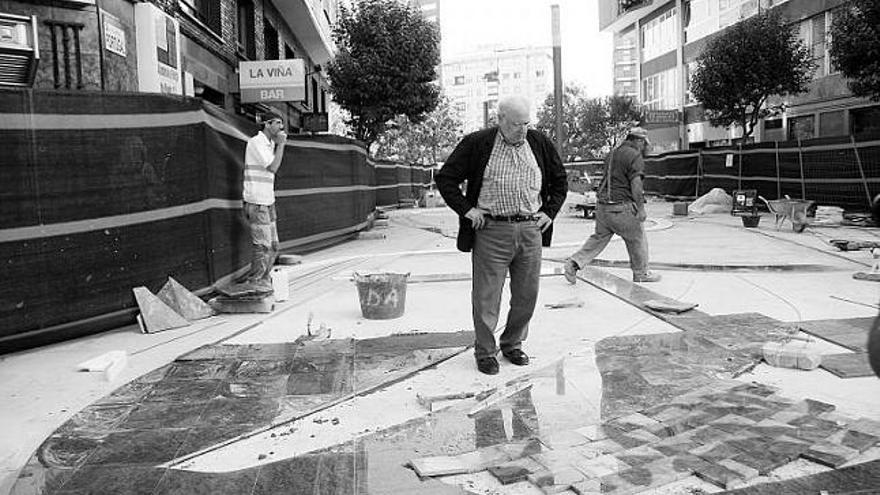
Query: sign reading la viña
272, 80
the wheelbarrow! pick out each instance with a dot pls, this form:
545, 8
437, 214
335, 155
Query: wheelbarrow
795, 210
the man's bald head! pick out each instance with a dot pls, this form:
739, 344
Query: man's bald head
513, 118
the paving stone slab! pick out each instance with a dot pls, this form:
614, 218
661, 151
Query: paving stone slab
848, 364
632, 422
850, 333
592, 432
733, 423
717, 451
830, 454
866, 425
854, 439
763, 462
556, 481
862, 479
719, 475
745, 472
813, 428
515, 471
599, 466
640, 456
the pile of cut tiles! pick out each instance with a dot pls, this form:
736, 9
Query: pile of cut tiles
727, 433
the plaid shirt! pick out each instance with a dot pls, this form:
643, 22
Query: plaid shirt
512, 180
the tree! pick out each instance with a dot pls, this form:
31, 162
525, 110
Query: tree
753, 60
606, 121
427, 142
385, 65
593, 126
573, 140
855, 46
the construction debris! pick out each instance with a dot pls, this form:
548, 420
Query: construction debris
110, 364
498, 396
568, 303
184, 302
430, 402
155, 314
670, 305
799, 355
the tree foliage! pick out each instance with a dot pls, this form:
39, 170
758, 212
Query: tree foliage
426, 142
592, 126
385, 65
753, 60
855, 46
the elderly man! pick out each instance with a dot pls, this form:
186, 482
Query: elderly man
515, 186
620, 210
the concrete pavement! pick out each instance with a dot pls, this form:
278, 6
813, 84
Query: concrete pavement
710, 260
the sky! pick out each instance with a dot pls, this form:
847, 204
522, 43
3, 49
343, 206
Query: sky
586, 53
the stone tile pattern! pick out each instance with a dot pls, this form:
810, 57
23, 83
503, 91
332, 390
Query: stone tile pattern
215, 394
726, 433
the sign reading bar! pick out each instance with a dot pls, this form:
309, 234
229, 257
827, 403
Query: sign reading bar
272, 80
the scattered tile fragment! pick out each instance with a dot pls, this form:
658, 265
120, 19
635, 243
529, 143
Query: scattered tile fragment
830, 454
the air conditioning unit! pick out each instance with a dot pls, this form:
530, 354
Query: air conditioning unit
19, 50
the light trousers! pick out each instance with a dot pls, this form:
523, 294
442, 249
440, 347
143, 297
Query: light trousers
617, 219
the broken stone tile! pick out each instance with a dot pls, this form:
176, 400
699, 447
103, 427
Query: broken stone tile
853, 439
599, 466
587, 487
731, 423
717, 451
706, 435
639, 456
813, 428
762, 461
592, 432
866, 425
554, 460
830, 454
771, 428
745, 472
516, 450
556, 481
754, 388
634, 421
438, 466
481, 459
515, 471
786, 415
788, 448
718, 474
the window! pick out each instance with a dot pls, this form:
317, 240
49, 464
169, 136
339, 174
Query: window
771, 124
801, 128
459, 80
539, 73
865, 120
270, 41
205, 11
832, 124
660, 35
660, 91
288, 52
247, 45
814, 34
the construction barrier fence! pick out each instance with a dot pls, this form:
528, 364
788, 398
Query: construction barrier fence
842, 172
103, 192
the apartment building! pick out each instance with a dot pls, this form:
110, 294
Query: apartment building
184, 47
656, 44
476, 81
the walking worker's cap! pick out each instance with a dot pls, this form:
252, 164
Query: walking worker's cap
639, 132
269, 115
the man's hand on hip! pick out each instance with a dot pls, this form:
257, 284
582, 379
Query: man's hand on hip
477, 218
641, 214
543, 221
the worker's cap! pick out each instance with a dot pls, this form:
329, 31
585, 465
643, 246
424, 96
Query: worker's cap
269, 116
640, 133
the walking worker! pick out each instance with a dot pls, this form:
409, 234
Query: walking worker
262, 159
515, 186
620, 210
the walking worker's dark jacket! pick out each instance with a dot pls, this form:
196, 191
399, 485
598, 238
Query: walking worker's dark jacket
468, 162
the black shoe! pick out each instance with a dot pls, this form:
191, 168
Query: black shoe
516, 356
487, 365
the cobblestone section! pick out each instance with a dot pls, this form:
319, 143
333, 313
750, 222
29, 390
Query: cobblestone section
726, 433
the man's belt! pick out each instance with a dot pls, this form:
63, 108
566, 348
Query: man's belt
512, 218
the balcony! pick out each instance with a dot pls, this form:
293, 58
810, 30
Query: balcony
310, 21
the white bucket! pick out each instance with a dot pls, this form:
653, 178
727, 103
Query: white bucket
280, 285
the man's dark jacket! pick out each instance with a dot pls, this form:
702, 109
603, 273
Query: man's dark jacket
468, 162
